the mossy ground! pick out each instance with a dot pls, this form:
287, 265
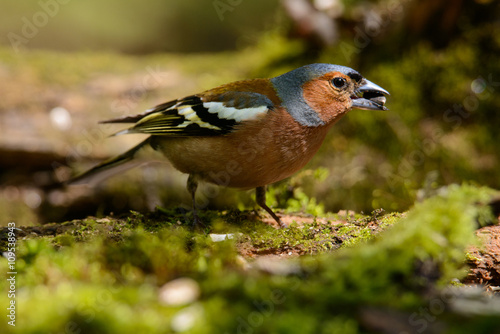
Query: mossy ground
355, 274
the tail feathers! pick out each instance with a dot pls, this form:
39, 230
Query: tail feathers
110, 167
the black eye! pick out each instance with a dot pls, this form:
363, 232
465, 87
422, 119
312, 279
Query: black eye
339, 82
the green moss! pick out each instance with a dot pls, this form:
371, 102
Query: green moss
104, 275
291, 195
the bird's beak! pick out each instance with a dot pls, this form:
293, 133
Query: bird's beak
369, 96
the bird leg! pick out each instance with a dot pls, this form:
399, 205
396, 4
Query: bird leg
192, 185
260, 198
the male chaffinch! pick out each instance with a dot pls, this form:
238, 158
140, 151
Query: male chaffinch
251, 133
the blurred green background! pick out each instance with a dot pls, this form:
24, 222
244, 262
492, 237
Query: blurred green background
65, 65
136, 27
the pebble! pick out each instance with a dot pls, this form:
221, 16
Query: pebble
221, 237
179, 292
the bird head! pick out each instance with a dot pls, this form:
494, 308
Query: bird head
320, 94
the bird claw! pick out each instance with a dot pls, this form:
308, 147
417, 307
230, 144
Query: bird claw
281, 224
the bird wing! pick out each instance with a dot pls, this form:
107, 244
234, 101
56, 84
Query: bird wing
206, 114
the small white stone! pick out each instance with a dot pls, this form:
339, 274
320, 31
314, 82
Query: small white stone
61, 118
221, 237
32, 198
179, 292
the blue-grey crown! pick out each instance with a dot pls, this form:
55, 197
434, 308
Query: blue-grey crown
312, 71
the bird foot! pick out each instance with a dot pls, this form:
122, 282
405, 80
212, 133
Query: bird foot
280, 222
